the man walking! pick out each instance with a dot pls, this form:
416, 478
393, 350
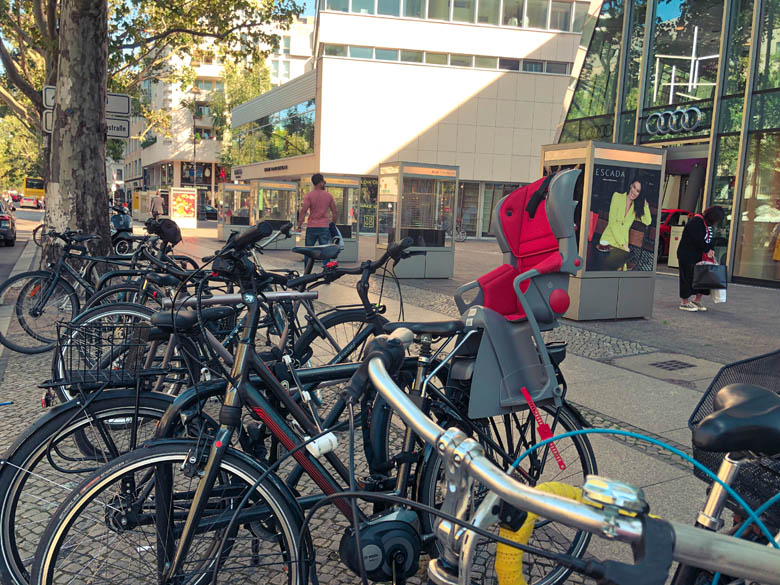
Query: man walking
317, 203
156, 206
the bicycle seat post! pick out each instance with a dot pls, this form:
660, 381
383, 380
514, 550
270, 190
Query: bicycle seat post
709, 517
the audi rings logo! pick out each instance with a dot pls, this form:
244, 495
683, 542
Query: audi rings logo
673, 122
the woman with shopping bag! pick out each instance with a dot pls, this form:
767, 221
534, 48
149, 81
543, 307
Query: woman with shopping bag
695, 246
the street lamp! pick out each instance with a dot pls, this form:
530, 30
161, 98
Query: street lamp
195, 91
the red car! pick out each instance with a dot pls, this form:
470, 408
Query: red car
669, 218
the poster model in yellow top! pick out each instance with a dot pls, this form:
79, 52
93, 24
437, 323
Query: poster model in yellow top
623, 213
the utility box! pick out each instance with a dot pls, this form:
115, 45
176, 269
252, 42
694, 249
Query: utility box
617, 222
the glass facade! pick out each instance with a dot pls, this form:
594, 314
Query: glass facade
675, 73
280, 135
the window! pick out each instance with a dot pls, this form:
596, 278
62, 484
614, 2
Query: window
204, 84
557, 67
202, 111
275, 68
388, 7
488, 11
361, 52
335, 51
486, 62
536, 14
436, 58
509, 64
414, 8
461, 60
220, 86
580, 13
463, 10
412, 56
118, 175
533, 66
439, 9
363, 6
513, 12
285, 69
387, 54
338, 5
560, 15
286, 45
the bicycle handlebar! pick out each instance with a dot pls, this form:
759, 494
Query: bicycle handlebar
692, 546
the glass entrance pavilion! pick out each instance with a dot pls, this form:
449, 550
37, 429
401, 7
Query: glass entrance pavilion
702, 79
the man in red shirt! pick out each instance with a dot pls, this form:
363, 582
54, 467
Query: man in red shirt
318, 203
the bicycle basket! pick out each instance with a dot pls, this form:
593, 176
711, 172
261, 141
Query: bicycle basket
756, 481
100, 355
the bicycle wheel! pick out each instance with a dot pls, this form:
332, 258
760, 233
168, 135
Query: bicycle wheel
126, 518
123, 248
349, 333
38, 234
126, 292
460, 236
516, 433
35, 310
52, 456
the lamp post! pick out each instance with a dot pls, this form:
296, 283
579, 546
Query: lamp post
195, 91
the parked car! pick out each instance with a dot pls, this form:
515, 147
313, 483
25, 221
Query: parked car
669, 218
30, 202
16, 197
207, 212
7, 224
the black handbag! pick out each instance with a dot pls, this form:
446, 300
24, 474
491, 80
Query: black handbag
708, 276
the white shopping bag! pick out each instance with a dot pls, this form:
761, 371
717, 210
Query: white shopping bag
719, 295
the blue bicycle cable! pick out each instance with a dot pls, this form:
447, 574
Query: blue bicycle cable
620, 432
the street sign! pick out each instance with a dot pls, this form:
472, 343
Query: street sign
117, 128
117, 104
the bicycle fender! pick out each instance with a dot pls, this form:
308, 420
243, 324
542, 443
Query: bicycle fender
186, 400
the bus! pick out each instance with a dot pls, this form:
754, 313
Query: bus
33, 192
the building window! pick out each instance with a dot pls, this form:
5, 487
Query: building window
463, 10
204, 84
486, 62
220, 86
509, 64
285, 69
286, 45
387, 54
557, 67
335, 51
468, 207
388, 7
533, 66
414, 8
461, 60
275, 67
338, 5
361, 52
439, 9
536, 13
118, 175
281, 135
412, 56
513, 12
580, 14
363, 6
436, 58
488, 11
560, 15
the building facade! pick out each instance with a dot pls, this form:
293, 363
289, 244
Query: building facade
476, 84
293, 56
701, 79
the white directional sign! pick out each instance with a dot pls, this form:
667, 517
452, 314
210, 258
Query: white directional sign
117, 104
115, 127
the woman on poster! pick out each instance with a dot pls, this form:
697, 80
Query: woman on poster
624, 209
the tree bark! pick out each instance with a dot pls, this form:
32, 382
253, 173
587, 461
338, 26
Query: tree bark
76, 197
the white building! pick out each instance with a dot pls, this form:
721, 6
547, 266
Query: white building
294, 53
478, 84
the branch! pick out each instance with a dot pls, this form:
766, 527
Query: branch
19, 109
194, 33
23, 36
16, 79
51, 10
40, 22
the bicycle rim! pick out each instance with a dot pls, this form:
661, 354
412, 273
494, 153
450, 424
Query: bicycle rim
106, 532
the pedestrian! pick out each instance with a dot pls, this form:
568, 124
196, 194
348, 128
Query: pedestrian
317, 203
156, 206
696, 244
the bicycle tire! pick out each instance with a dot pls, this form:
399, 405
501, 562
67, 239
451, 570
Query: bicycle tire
15, 294
279, 519
123, 247
29, 478
461, 236
432, 467
126, 292
37, 234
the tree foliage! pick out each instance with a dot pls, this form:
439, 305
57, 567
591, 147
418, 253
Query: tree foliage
20, 154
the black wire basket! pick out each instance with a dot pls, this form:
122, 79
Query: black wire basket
758, 480
100, 355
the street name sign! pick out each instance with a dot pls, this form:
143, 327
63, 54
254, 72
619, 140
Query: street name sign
117, 104
115, 127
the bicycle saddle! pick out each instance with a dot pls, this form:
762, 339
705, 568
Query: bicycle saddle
162, 279
187, 319
324, 252
435, 328
746, 418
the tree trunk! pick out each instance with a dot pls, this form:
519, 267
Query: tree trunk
76, 197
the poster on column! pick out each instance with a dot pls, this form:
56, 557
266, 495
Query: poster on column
623, 222
183, 207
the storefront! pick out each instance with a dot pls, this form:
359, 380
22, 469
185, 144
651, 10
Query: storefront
700, 79
277, 203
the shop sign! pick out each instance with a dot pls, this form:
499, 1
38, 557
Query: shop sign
673, 122
276, 168
431, 172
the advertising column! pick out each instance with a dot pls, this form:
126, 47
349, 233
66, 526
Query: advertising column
183, 207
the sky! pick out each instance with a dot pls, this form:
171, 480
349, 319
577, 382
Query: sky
308, 8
